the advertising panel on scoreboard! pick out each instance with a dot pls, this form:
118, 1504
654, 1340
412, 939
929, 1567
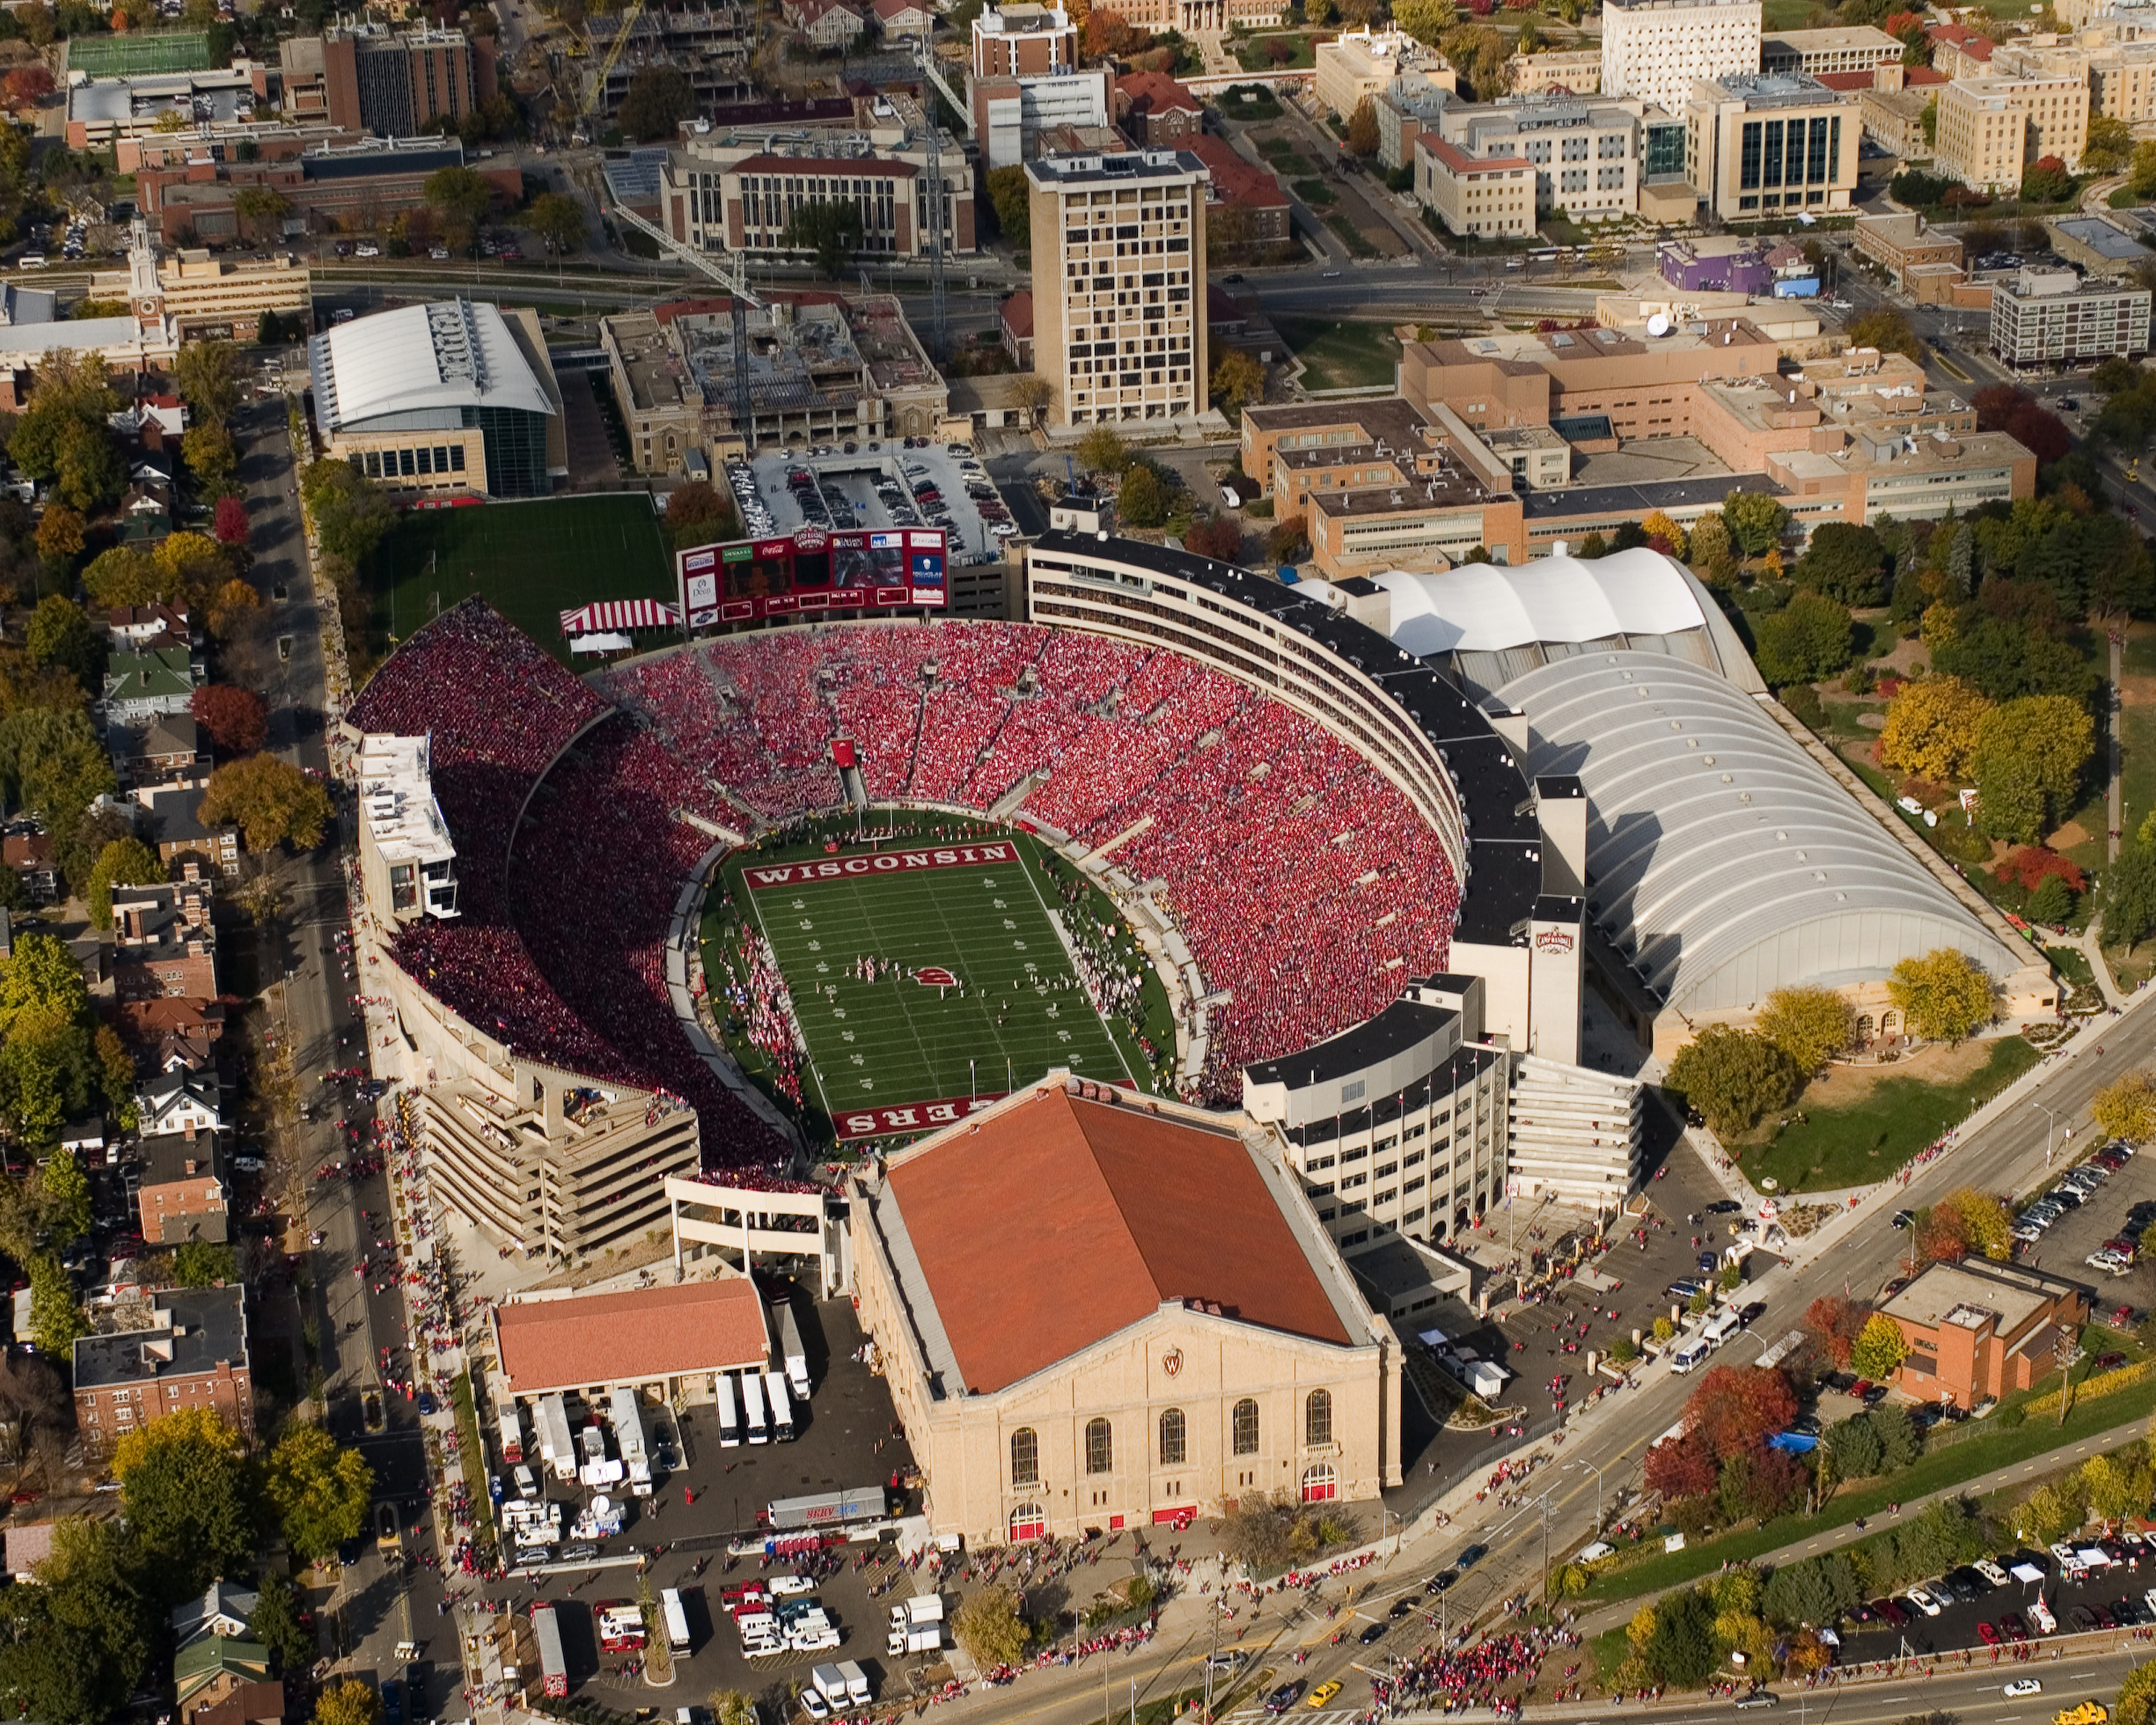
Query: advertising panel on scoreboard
812, 570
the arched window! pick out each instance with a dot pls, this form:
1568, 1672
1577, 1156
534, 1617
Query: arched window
1025, 1457
1319, 1484
1246, 1427
1028, 1522
1317, 1417
1100, 1447
1170, 1437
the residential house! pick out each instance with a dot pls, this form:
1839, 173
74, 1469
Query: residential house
181, 1106
177, 830
165, 751
182, 1196
256, 1703
194, 1355
29, 1543
170, 1031
163, 940
28, 851
828, 23
214, 1671
139, 629
223, 1610
1014, 321
144, 685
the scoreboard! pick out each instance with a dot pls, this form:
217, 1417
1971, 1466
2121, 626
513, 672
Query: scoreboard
894, 568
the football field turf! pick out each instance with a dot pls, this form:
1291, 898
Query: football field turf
531, 561
1013, 1010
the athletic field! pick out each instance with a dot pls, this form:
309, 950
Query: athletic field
531, 561
976, 991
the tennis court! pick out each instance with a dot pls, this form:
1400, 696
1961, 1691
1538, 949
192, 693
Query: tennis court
137, 55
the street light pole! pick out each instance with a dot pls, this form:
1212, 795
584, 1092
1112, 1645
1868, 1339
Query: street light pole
2050, 1121
1597, 1472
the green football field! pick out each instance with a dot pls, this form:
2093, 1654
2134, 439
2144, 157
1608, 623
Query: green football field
531, 561
1014, 1010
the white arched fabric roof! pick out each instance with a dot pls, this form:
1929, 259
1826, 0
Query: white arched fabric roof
1722, 861
443, 354
1488, 608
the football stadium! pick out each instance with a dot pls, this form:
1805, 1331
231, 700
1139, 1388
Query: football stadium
1179, 831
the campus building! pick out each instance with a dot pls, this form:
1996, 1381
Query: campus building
1012, 114
1818, 53
1978, 1329
1023, 40
1992, 130
1119, 284
1474, 196
1200, 1343
2053, 317
395, 83
408, 861
210, 298
192, 1355
1586, 154
1658, 49
668, 1343
327, 187
453, 395
1363, 64
1759, 144
1577, 71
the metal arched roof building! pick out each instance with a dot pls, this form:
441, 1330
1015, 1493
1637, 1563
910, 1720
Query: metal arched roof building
1722, 862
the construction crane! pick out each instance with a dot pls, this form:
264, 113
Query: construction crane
597, 84
733, 277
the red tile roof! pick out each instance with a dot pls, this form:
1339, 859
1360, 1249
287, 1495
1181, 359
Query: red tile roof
887, 10
631, 1338
1921, 74
1018, 313
1157, 93
1108, 1212
1460, 161
1844, 81
1239, 181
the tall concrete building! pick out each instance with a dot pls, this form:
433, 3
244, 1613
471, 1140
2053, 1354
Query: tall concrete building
1990, 130
2053, 317
1119, 284
1657, 49
1024, 40
1767, 142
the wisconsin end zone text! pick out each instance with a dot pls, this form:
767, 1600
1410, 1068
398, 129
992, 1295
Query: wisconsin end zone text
885, 862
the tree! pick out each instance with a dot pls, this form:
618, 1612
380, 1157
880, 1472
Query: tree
64, 1195
271, 801
276, 1622
2028, 760
560, 220
1710, 540
1736, 1409
350, 514
1880, 1349
60, 534
1733, 1077
2129, 895
1108, 34
730, 1707
55, 1319
1362, 128
1754, 520
1845, 562
73, 1645
319, 1490
2045, 181
1806, 640
1681, 1467
460, 196
1942, 996
1142, 502
2116, 1486
1835, 1322
658, 99
54, 762
1818, 1591
1854, 1447
208, 375
350, 1702
204, 1263
207, 449
2007, 658
989, 1627
1011, 199
2127, 1109
2052, 901
236, 720
1931, 728
1663, 534
124, 862
1220, 537
1887, 330
230, 606
59, 634
1425, 20
1238, 380
28, 86
1808, 1024
1965, 1221
1682, 1652
230, 522
830, 229
1034, 394
697, 514
1102, 451
2051, 1511
183, 1484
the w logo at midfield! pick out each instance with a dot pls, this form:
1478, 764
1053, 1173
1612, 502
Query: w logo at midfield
934, 976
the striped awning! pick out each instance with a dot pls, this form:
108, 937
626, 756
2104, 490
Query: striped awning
621, 613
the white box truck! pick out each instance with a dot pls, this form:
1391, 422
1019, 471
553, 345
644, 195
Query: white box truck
830, 1683
791, 1350
677, 1620
857, 1683
922, 1608
917, 1638
782, 1407
555, 1448
628, 1435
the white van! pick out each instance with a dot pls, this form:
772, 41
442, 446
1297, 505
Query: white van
1723, 1326
1691, 1354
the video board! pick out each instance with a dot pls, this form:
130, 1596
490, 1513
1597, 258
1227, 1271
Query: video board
892, 568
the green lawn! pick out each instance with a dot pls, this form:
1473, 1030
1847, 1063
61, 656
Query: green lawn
530, 561
1314, 193
1340, 354
1787, 14
1249, 101
896, 1041
1833, 1147
1253, 56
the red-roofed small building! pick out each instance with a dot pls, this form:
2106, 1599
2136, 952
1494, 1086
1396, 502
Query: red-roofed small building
1958, 52
1474, 194
1176, 1333
1152, 108
668, 1339
1015, 321
903, 18
1241, 194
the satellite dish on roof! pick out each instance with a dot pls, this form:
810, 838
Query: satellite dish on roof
1659, 324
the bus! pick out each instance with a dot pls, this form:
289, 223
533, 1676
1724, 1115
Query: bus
729, 1420
781, 1410
677, 1620
752, 1408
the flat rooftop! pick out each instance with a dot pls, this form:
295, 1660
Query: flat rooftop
1395, 1030
1636, 500
1954, 454
1967, 1292
1134, 168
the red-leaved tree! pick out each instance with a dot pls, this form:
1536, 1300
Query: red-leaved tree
1220, 537
1736, 1409
230, 523
1681, 1467
1836, 1322
28, 85
2002, 408
236, 721
2031, 863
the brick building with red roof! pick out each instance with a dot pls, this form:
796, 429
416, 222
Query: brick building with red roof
1164, 1328
1152, 108
670, 1340
1237, 185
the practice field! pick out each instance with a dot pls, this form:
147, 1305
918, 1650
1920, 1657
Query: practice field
531, 561
977, 993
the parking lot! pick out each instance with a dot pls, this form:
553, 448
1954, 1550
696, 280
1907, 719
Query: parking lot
844, 1439
1986, 1605
911, 483
2116, 1206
